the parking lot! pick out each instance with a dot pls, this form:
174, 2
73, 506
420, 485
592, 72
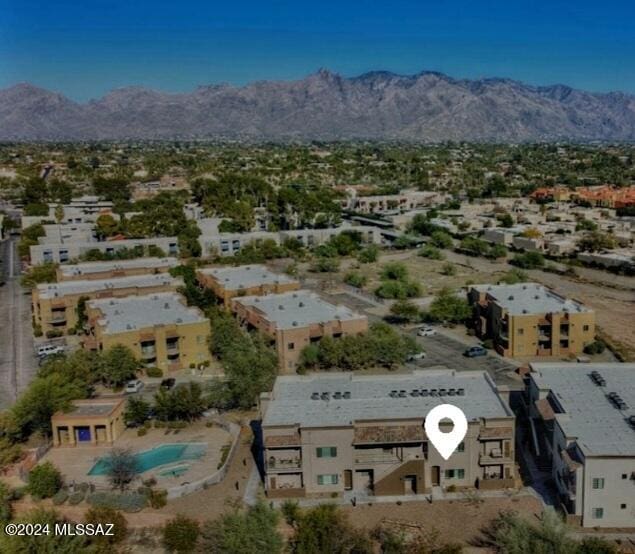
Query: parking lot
442, 349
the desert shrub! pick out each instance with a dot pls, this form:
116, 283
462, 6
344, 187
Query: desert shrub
431, 252
180, 534
158, 498
76, 498
448, 269
154, 372
44, 480
291, 511
355, 279
596, 347
5, 503
60, 497
108, 515
127, 502
142, 431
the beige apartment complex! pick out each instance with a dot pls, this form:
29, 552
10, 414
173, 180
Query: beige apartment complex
55, 305
528, 319
111, 269
245, 280
329, 433
583, 418
295, 319
159, 329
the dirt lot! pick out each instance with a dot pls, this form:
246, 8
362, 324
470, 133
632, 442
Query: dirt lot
445, 515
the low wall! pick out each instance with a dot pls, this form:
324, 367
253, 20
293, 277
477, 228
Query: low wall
181, 490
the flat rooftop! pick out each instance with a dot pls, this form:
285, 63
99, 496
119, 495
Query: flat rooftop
530, 298
298, 309
370, 399
246, 276
65, 288
140, 312
91, 408
587, 415
88, 268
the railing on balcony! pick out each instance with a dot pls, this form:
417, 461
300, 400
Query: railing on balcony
148, 352
283, 463
494, 456
376, 458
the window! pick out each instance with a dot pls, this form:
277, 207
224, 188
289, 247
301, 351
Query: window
622, 506
291, 346
585, 327
326, 452
598, 513
460, 474
461, 447
454, 473
598, 483
521, 332
624, 475
328, 479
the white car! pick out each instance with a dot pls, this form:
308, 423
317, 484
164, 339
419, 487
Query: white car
134, 386
49, 350
417, 356
426, 332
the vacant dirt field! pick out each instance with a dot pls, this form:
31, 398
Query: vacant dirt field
456, 520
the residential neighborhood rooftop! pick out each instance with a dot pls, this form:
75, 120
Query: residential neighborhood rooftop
298, 309
139, 312
246, 276
88, 268
530, 298
586, 412
64, 288
340, 399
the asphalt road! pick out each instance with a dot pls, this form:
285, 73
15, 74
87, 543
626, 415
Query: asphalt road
18, 363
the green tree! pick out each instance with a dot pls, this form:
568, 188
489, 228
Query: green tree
441, 239
5, 503
44, 480
506, 220
59, 213
118, 365
42, 273
529, 260
105, 515
594, 241
326, 528
180, 535
355, 279
106, 226
394, 270
514, 276
405, 310
236, 532
448, 307
368, 255
137, 411
431, 252
184, 402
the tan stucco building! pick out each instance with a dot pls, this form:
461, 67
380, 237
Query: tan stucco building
112, 269
244, 280
582, 421
528, 319
55, 305
296, 319
159, 329
93, 422
335, 432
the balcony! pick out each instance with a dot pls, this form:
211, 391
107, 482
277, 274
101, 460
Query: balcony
494, 456
282, 464
147, 353
376, 458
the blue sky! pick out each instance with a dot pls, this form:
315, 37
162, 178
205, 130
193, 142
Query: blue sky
85, 48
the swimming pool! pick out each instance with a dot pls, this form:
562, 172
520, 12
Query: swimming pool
158, 456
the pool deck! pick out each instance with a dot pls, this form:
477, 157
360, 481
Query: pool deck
76, 462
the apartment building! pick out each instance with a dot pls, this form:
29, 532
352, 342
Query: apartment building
65, 252
85, 209
583, 416
528, 319
386, 203
228, 244
295, 319
55, 305
245, 280
330, 433
159, 328
114, 269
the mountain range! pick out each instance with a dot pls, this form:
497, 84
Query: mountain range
380, 105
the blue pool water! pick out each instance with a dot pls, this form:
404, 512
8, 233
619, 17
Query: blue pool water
161, 455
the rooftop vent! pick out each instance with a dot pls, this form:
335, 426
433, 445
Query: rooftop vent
280, 307
295, 323
166, 305
346, 395
337, 395
442, 392
394, 393
424, 392
315, 396
402, 393
524, 287
301, 305
631, 421
524, 311
452, 392
326, 396
460, 392
510, 297
414, 392
433, 392
597, 378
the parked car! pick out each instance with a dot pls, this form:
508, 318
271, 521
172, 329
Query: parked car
168, 383
417, 356
49, 350
475, 352
133, 386
426, 332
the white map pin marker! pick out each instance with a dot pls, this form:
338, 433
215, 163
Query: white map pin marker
446, 443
